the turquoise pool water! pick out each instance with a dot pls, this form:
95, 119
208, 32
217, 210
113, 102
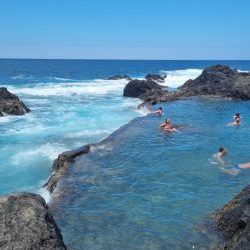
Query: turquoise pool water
145, 189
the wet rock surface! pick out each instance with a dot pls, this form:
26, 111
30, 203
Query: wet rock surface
10, 104
215, 81
137, 88
219, 80
156, 77
26, 223
233, 221
61, 164
119, 77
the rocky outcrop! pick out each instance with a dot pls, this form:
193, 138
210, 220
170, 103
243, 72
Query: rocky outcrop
10, 104
156, 77
26, 223
154, 96
61, 164
219, 80
215, 81
233, 220
119, 77
137, 88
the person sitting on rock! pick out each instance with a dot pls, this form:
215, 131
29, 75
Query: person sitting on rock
167, 126
159, 111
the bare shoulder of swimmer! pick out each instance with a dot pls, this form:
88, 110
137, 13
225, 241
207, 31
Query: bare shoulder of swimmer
218, 157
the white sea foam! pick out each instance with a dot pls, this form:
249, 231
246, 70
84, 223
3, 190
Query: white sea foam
18, 77
45, 194
143, 111
63, 79
243, 71
87, 133
176, 78
96, 87
4, 119
47, 150
13, 118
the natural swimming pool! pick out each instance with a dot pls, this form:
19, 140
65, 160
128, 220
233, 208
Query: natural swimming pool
145, 189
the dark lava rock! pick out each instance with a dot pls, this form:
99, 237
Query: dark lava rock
119, 77
215, 81
233, 220
136, 88
61, 164
26, 223
219, 80
156, 77
153, 96
10, 104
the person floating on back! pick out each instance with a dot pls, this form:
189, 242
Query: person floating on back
167, 126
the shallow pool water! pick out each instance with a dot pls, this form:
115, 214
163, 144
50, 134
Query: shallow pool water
145, 189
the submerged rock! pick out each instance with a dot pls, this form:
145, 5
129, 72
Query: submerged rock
233, 220
10, 104
26, 223
61, 164
219, 80
156, 77
119, 77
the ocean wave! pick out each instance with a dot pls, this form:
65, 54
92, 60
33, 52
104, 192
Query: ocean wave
176, 78
44, 193
243, 71
87, 133
143, 111
63, 79
13, 118
20, 77
48, 150
96, 87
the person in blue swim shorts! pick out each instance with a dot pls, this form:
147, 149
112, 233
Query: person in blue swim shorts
222, 153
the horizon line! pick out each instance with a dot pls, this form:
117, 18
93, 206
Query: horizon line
120, 59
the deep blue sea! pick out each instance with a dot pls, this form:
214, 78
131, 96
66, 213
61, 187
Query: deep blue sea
142, 190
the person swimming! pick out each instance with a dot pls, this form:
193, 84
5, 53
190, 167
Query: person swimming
221, 154
237, 115
236, 121
167, 126
159, 111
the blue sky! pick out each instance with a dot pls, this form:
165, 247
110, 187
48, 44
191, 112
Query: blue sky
125, 29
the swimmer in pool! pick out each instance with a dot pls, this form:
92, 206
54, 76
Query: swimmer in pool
237, 115
159, 111
236, 121
167, 126
222, 153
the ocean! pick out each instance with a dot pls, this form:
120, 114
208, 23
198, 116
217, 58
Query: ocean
147, 190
